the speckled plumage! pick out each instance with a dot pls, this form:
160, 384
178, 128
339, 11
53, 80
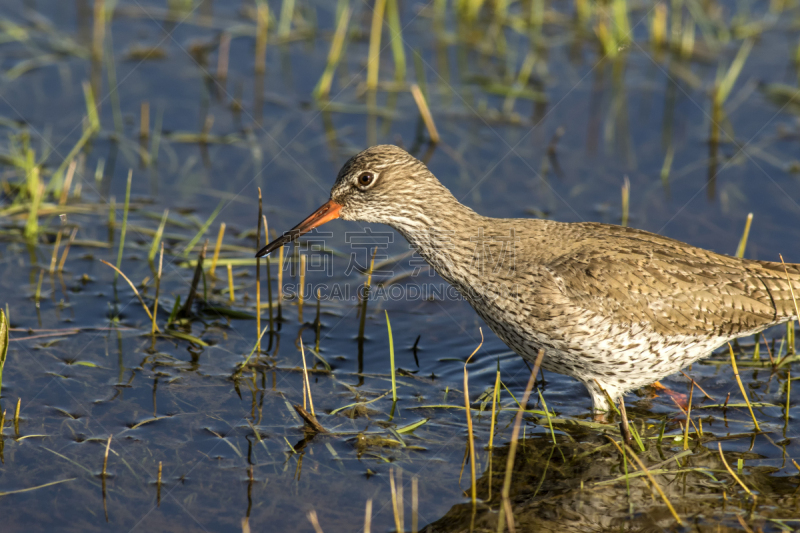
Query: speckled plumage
613, 307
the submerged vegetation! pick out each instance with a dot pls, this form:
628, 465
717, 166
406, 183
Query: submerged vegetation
154, 374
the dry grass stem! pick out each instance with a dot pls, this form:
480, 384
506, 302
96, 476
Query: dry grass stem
741, 387
159, 234
99, 30
414, 504
4, 326
731, 472
133, 287
280, 280
310, 419
495, 398
54, 256
231, 296
683, 411
158, 288
658, 29
425, 112
512, 450
368, 517
312, 517
66, 249
744, 525
269, 275
688, 418
391, 358
626, 201
213, 270
258, 268
374, 57
68, 182
400, 495
623, 426
653, 482
305, 375
398, 520
468, 411
323, 89
301, 295
707, 395
223, 54
621, 452
16, 415
144, 120
788, 394
262, 21
743, 241
105, 458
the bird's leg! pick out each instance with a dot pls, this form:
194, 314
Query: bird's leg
623, 426
677, 397
600, 406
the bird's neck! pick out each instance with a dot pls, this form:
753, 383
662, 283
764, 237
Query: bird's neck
458, 243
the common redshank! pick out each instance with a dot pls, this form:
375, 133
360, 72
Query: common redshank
613, 307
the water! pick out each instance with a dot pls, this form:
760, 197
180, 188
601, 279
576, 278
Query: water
230, 445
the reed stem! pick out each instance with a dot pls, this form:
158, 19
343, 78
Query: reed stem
231, 296
374, 57
512, 449
741, 388
213, 270
305, 375
468, 411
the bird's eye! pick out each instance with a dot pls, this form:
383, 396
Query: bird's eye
366, 179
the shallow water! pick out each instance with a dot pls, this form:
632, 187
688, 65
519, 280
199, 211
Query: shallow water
230, 445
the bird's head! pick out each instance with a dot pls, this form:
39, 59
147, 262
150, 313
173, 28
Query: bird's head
383, 184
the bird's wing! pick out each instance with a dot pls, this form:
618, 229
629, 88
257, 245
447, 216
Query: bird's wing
636, 277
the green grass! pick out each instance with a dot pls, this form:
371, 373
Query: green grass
391, 357
124, 229
3, 348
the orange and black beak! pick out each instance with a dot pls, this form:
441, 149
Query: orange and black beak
328, 211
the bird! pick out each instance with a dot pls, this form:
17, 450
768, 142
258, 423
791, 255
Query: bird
614, 307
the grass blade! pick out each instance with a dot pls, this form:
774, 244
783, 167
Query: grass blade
741, 387
512, 450
124, 229
469, 421
391, 357
212, 271
732, 473
374, 58
203, 229
136, 292
157, 239
653, 482
323, 88
726, 84
495, 399
745, 234
396, 40
425, 112
3, 347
